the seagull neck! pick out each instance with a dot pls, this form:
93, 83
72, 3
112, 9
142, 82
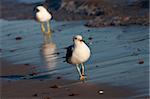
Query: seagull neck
78, 45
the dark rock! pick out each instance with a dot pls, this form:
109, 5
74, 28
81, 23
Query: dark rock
41, 80
13, 50
88, 30
54, 86
145, 4
90, 38
47, 98
57, 53
99, 12
32, 74
54, 4
18, 38
58, 77
8, 35
35, 95
27, 64
141, 62
141, 3
73, 94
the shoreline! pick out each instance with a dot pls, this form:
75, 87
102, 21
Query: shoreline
119, 59
57, 88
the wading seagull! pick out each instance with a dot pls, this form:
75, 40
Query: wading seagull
77, 54
43, 16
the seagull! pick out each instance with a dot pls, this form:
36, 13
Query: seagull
43, 16
77, 54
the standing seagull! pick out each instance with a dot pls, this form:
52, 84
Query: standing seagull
77, 54
42, 15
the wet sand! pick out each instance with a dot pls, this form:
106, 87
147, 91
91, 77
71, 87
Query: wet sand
119, 57
55, 88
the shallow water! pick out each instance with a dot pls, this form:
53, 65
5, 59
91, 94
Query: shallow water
116, 52
30, 1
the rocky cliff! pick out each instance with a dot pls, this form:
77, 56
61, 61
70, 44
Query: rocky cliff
105, 12
98, 12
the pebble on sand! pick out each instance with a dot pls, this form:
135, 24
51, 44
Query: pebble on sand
101, 92
35, 95
141, 62
90, 38
73, 94
58, 77
18, 38
54, 86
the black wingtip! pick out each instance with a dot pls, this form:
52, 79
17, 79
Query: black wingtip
45, 5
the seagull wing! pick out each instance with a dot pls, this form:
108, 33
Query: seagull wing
69, 53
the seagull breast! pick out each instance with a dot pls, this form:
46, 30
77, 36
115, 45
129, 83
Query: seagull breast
81, 53
43, 15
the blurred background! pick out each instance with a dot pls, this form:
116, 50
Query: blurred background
99, 12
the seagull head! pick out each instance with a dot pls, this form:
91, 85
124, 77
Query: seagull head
42, 13
40, 8
78, 39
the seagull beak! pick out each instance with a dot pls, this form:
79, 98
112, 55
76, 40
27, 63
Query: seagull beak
82, 40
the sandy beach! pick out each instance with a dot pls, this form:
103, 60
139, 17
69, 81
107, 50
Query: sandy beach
117, 69
33, 70
56, 88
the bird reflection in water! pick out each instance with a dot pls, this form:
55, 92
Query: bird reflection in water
48, 55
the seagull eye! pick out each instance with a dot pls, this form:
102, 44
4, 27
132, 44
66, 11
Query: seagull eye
37, 10
75, 38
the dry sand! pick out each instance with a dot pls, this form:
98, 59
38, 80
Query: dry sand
56, 88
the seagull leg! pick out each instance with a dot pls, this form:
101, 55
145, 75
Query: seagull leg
48, 26
42, 27
82, 75
43, 30
82, 69
78, 69
48, 34
48, 29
